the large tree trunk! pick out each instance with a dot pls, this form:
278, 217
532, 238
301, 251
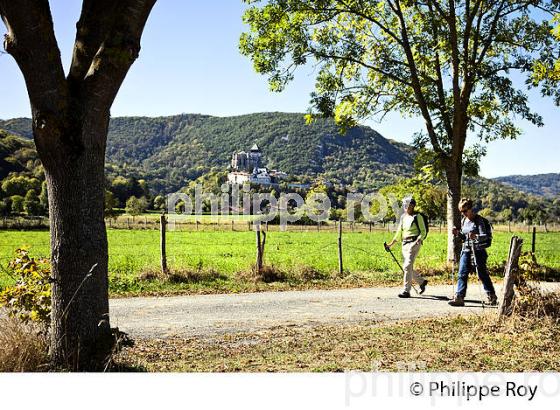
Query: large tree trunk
70, 120
80, 331
453, 174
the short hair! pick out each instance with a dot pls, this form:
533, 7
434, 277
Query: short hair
465, 203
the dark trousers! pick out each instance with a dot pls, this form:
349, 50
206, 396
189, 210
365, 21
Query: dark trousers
466, 266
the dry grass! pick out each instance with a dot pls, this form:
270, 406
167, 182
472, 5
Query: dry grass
267, 274
310, 274
445, 344
23, 347
176, 276
533, 303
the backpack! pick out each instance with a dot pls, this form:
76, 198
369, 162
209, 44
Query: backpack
426, 222
487, 228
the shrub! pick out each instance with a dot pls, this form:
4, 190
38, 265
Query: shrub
136, 206
17, 204
30, 298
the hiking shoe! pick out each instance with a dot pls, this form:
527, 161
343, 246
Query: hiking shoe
458, 300
404, 294
492, 299
423, 286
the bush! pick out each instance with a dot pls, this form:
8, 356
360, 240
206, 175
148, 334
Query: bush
31, 204
136, 206
17, 204
30, 298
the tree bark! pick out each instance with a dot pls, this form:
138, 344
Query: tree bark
80, 331
453, 174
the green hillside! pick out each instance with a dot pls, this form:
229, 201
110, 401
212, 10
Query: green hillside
151, 156
170, 151
17, 155
543, 184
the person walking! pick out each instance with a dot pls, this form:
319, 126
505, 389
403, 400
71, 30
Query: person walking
475, 234
412, 231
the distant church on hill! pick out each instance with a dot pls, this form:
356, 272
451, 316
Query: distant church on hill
247, 167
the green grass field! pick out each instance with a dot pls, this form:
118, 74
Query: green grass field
219, 261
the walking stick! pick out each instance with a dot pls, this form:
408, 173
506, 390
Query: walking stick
452, 276
398, 263
475, 264
453, 266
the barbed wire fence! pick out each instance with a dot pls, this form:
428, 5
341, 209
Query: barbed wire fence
337, 246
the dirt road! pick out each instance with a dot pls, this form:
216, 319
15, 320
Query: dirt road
207, 315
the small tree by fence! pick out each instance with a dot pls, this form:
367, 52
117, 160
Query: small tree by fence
163, 228
261, 242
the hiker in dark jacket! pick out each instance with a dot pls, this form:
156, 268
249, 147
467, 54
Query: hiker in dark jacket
475, 233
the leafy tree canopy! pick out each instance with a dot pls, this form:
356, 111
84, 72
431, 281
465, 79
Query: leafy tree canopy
429, 58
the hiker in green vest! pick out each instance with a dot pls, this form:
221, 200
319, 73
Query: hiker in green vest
412, 231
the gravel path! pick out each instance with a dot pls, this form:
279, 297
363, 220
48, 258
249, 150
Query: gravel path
207, 315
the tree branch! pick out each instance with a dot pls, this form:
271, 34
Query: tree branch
415, 80
117, 52
30, 39
96, 19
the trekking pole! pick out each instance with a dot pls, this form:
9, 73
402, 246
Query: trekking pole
452, 276
453, 267
398, 263
475, 264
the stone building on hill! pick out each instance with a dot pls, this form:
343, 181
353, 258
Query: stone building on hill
247, 167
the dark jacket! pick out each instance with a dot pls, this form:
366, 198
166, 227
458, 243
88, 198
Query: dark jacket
483, 229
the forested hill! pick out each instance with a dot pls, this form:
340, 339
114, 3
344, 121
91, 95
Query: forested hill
170, 151
543, 184
17, 155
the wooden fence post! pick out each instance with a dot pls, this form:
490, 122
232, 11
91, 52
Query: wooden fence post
263, 243
259, 264
163, 223
510, 276
340, 266
533, 240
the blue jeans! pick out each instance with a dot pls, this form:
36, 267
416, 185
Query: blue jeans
466, 266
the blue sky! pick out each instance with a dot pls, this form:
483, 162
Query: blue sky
190, 63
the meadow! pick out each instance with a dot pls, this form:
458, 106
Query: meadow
221, 261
